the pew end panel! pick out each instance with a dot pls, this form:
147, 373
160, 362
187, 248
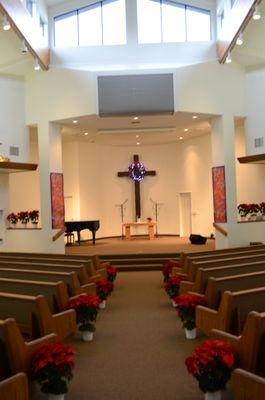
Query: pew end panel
248, 386
15, 388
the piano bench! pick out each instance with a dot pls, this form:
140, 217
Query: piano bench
70, 238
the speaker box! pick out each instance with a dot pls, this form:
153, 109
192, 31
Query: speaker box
197, 239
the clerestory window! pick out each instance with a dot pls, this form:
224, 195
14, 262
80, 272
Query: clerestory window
165, 21
101, 23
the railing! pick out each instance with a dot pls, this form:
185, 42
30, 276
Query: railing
220, 229
58, 234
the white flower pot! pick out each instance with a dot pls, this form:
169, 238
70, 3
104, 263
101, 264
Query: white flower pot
243, 218
55, 396
87, 336
34, 225
102, 305
252, 218
191, 334
213, 395
173, 303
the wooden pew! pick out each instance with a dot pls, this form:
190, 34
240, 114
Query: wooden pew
232, 312
91, 262
184, 256
247, 259
249, 345
15, 388
34, 317
79, 269
69, 278
248, 386
203, 274
16, 354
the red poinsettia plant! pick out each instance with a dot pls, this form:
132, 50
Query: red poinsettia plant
211, 364
52, 367
168, 267
86, 307
104, 289
23, 216
172, 286
34, 216
13, 218
111, 272
186, 308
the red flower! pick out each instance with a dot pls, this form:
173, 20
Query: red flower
104, 288
53, 355
111, 272
23, 216
84, 300
186, 308
172, 285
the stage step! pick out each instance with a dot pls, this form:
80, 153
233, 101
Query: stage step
139, 261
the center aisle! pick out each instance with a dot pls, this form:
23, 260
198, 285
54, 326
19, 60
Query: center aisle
139, 347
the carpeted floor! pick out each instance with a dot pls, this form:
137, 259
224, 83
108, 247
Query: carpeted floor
139, 348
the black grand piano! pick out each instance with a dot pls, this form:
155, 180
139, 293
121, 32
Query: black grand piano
78, 226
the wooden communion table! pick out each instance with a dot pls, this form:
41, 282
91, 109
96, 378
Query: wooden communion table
128, 226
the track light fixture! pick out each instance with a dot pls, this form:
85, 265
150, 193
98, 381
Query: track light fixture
24, 48
37, 65
240, 39
228, 58
6, 24
256, 14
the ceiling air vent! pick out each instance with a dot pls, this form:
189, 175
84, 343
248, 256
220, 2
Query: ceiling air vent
14, 151
258, 142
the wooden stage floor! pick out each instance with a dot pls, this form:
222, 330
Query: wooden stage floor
162, 244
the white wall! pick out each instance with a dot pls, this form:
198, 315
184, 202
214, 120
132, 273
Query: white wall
180, 168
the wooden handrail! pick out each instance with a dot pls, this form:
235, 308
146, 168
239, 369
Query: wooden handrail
220, 229
239, 17
58, 234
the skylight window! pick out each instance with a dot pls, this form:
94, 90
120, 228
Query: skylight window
102, 23
168, 21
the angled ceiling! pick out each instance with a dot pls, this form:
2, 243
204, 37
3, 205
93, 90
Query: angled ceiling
252, 52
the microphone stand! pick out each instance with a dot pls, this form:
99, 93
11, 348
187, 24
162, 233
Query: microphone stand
122, 210
156, 207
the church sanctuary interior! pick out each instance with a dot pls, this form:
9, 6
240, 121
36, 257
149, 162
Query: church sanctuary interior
132, 200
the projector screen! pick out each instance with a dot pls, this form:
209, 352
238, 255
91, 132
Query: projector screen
135, 94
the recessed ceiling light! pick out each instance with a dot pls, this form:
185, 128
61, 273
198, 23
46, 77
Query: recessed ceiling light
86, 133
186, 130
180, 138
37, 65
75, 121
138, 143
256, 14
6, 24
195, 116
135, 118
228, 59
240, 40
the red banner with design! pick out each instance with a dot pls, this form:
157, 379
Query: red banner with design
219, 194
57, 200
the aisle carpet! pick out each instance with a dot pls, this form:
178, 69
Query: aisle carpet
139, 348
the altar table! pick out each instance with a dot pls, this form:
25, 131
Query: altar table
128, 226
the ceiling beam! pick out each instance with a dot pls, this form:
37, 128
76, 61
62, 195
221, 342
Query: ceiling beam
238, 19
26, 28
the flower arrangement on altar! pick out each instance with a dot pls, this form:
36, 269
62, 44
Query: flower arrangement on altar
172, 286
34, 216
252, 210
86, 307
52, 367
104, 289
168, 267
23, 217
137, 171
111, 272
12, 218
186, 310
211, 365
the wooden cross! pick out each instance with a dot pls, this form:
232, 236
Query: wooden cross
137, 187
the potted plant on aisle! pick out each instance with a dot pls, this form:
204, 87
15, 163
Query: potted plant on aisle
86, 307
34, 217
23, 217
211, 364
104, 289
111, 272
52, 367
167, 268
12, 219
172, 288
244, 211
186, 310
